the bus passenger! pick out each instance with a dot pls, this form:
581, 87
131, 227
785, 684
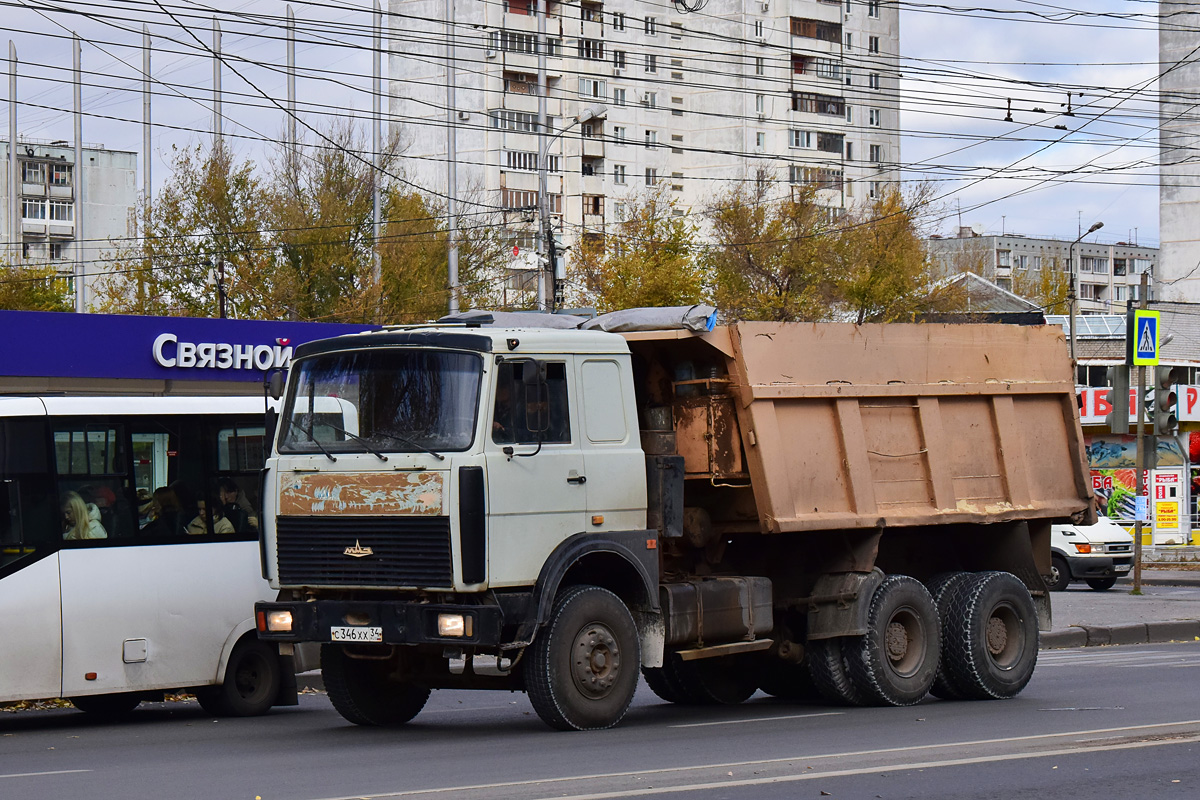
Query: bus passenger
81, 520
236, 506
199, 525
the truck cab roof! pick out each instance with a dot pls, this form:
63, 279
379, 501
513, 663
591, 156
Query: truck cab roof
478, 339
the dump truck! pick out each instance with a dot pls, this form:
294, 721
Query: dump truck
859, 513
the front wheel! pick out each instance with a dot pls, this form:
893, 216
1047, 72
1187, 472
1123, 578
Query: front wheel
581, 671
990, 641
370, 691
895, 663
252, 680
1101, 584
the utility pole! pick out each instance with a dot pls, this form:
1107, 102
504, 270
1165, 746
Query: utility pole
1072, 291
14, 197
146, 161
216, 81
376, 137
77, 182
291, 88
1141, 452
451, 162
545, 234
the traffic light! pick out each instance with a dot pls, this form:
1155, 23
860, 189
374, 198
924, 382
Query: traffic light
1118, 419
1166, 419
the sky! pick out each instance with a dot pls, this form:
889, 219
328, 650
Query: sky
961, 68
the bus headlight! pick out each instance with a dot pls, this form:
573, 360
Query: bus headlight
279, 621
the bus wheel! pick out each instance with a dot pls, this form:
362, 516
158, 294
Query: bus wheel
252, 680
581, 671
107, 706
990, 641
896, 661
368, 691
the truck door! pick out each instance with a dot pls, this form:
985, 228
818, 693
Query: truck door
537, 493
616, 467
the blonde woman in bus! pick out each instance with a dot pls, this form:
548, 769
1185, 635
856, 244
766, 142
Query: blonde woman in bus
81, 520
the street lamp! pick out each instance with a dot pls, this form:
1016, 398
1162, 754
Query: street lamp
546, 288
1071, 290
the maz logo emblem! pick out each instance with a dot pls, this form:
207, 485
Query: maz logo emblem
358, 551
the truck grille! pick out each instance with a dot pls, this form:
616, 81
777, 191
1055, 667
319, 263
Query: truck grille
406, 551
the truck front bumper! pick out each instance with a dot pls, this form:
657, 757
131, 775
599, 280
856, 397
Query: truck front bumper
378, 621
1099, 567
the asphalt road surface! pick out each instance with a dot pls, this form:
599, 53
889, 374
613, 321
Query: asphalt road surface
1111, 722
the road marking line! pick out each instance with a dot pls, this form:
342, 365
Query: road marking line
40, 774
742, 764
758, 719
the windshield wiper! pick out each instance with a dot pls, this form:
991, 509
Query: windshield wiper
366, 445
309, 433
405, 440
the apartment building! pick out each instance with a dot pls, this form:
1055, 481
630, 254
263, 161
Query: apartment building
690, 102
1179, 138
48, 183
1107, 275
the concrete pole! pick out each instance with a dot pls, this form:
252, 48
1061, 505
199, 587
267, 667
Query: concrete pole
291, 86
216, 46
14, 196
146, 158
543, 285
1143, 302
451, 162
81, 278
376, 137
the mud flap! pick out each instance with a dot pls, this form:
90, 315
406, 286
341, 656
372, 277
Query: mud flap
840, 603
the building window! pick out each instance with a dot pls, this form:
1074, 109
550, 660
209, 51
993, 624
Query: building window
846, 74
760, 104
33, 172
523, 8
58, 250
873, 189
1004, 258
593, 88
591, 49
873, 80
651, 138
830, 142
593, 204
619, 174
758, 28
759, 65
760, 140
62, 211
677, 30
522, 121
1140, 265
619, 134
619, 59
872, 44
800, 139
812, 103
1119, 266
650, 26
1020, 261
650, 99
849, 151
1119, 293
849, 41
618, 97
817, 29
849, 113
821, 177
873, 117
1035, 262
1093, 264
524, 161
33, 209
60, 175
519, 83
516, 199
873, 8
651, 62
618, 21
651, 176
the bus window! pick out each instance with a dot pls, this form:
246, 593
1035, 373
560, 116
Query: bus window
241, 455
90, 460
28, 506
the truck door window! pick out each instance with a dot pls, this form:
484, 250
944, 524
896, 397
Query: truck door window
512, 422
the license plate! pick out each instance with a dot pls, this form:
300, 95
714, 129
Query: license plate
355, 633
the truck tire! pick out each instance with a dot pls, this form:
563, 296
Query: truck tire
660, 682
827, 666
365, 692
894, 664
940, 587
720, 681
1101, 584
1060, 574
107, 706
581, 671
251, 684
786, 681
990, 640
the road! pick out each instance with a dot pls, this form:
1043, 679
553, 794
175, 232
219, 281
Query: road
1121, 722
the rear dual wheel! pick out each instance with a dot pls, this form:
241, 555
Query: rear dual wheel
989, 638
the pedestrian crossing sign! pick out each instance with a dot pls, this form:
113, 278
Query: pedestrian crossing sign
1145, 338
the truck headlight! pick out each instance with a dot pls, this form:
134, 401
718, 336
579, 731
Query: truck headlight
454, 625
279, 621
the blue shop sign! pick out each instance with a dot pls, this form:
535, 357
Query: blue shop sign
53, 345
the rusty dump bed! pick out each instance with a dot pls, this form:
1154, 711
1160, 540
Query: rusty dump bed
859, 426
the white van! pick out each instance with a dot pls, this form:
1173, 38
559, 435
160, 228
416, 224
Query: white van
1098, 554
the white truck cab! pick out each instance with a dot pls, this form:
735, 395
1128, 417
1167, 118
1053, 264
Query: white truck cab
1098, 554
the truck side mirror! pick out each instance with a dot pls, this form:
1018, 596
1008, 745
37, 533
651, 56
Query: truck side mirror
275, 385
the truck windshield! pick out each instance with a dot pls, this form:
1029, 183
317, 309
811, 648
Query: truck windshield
395, 400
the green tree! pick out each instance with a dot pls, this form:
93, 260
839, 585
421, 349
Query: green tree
1047, 287
770, 257
647, 261
35, 287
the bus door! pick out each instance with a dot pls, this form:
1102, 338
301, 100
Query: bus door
30, 616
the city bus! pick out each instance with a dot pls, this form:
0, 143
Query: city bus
129, 553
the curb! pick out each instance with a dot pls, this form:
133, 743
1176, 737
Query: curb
1138, 633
